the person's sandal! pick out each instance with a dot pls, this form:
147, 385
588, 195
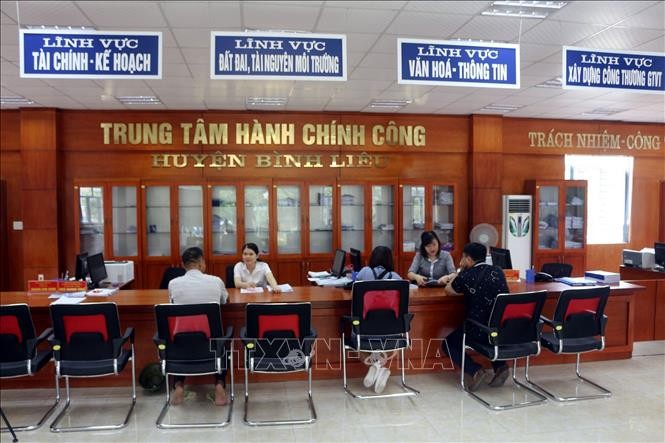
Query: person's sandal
370, 378
500, 377
381, 380
477, 380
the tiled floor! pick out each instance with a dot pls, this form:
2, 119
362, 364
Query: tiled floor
635, 412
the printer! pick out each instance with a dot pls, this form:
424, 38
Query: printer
120, 271
639, 259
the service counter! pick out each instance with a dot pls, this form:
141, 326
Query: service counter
650, 304
436, 314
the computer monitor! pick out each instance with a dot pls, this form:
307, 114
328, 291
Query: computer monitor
97, 269
337, 269
356, 261
81, 266
659, 249
501, 258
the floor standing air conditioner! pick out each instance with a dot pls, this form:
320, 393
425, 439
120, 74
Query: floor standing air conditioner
517, 224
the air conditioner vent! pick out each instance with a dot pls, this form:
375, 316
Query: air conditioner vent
519, 205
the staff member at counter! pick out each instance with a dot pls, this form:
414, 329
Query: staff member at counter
252, 273
431, 264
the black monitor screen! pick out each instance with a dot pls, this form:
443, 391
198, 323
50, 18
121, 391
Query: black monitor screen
81, 266
96, 268
354, 254
501, 258
659, 249
338, 263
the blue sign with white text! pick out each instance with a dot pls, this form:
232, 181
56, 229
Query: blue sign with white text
277, 56
455, 63
619, 70
90, 54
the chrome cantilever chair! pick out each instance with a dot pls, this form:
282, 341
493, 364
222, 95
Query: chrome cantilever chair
279, 338
190, 341
86, 342
379, 322
19, 356
513, 332
578, 326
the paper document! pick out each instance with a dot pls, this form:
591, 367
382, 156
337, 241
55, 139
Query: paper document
67, 294
318, 274
256, 290
68, 301
334, 281
101, 292
284, 288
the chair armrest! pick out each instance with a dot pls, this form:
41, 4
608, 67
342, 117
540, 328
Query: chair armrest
349, 322
161, 345
32, 343
479, 325
119, 342
603, 323
546, 320
408, 317
55, 346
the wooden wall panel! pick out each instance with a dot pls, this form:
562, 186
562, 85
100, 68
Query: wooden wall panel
37, 204
10, 134
10, 172
39, 169
661, 220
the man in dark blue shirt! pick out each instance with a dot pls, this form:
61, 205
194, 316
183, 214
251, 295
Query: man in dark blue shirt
479, 283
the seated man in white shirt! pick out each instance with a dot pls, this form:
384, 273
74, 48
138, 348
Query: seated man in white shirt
197, 287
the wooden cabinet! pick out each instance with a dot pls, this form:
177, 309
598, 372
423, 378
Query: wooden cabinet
560, 222
297, 225
425, 206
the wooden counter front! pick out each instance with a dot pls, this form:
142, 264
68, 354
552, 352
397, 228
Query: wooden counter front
649, 304
436, 314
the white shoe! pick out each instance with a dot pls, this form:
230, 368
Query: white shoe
370, 378
381, 380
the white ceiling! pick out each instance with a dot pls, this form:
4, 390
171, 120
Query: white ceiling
371, 27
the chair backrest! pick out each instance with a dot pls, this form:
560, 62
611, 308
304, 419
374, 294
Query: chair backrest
169, 274
228, 279
516, 317
557, 270
188, 329
580, 312
381, 306
16, 327
86, 331
278, 327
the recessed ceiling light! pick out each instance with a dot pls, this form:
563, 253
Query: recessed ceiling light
519, 13
391, 104
531, 4
501, 107
15, 100
139, 100
554, 83
604, 111
266, 101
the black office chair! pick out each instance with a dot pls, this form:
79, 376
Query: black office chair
379, 322
169, 274
279, 338
230, 282
190, 341
19, 356
578, 326
513, 332
557, 270
86, 342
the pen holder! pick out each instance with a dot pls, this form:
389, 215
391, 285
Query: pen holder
530, 276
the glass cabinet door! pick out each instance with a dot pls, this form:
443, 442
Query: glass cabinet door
224, 229
413, 216
91, 220
320, 219
548, 217
125, 236
257, 217
443, 215
383, 211
575, 212
353, 219
288, 220
158, 220
190, 216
